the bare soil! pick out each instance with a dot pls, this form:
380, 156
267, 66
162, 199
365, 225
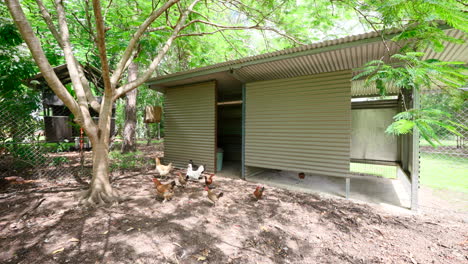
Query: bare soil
41, 223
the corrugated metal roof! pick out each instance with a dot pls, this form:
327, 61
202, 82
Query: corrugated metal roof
350, 52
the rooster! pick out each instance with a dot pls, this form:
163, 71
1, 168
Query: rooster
195, 174
163, 170
194, 167
209, 180
212, 196
182, 179
258, 192
165, 191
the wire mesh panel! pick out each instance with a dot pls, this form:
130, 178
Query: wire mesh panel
445, 166
26, 152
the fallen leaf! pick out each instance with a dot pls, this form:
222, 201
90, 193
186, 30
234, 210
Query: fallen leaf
57, 251
130, 229
201, 258
105, 232
263, 228
73, 239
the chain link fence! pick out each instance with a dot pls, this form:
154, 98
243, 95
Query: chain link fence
25, 152
445, 166
29, 152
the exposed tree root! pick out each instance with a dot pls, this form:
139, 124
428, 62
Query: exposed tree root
94, 197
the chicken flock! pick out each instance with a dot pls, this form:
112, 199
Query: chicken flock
165, 191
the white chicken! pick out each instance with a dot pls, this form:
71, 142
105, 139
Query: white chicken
163, 170
195, 174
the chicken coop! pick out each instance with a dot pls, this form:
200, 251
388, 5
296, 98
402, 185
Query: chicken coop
297, 110
58, 125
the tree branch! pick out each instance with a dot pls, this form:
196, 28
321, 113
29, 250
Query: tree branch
374, 28
154, 64
73, 66
48, 20
156, 29
39, 57
101, 44
134, 40
236, 28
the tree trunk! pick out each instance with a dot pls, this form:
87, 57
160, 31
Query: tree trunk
129, 144
148, 134
100, 191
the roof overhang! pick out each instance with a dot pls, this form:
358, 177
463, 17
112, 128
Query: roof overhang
351, 52
93, 74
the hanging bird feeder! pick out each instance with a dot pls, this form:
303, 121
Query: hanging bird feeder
153, 114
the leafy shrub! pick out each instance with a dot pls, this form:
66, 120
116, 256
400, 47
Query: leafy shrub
128, 161
27, 155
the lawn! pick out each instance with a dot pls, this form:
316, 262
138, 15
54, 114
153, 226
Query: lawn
376, 170
437, 171
443, 142
444, 172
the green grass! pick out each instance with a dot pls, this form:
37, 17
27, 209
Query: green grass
444, 172
377, 170
444, 143
128, 161
153, 141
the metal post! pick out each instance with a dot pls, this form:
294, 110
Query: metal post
415, 158
243, 132
348, 186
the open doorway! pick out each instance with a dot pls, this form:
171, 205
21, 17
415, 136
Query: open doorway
229, 129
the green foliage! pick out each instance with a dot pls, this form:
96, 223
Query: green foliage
56, 147
17, 65
412, 72
128, 161
57, 161
454, 104
425, 120
27, 155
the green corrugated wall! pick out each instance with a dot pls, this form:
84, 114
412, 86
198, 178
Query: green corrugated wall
300, 124
190, 125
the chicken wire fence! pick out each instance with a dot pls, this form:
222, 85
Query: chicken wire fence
25, 152
447, 163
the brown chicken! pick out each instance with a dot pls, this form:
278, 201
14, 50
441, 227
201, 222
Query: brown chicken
182, 180
258, 193
165, 191
212, 196
301, 175
209, 180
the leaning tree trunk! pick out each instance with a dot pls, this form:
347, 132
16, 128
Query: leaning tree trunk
129, 144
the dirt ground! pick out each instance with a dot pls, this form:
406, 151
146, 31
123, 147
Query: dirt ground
41, 223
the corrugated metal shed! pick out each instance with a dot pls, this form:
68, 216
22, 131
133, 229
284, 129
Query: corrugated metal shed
190, 125
304, 128
349, 53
